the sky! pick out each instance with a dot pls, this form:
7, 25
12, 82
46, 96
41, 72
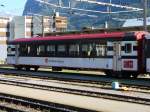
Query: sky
13, 7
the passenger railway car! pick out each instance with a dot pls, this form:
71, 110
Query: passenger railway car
121, 54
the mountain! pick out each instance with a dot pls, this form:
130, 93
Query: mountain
79, 19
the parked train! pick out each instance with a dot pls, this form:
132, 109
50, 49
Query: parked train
121, 54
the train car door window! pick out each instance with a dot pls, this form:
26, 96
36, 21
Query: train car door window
147, 48
128, 48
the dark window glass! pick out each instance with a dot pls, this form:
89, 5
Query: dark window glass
147, 48
88, 50
40, 50
23, 50
61, 50
74, 50
128, 48
31, 50
50, 50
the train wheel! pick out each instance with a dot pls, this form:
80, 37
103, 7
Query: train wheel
27, 68
36, 69
113, 74
108, 73
120, 75
126, 75
135, 75
56, 69
19, 68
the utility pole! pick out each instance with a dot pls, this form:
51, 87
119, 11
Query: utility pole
145, 15
42, 22
107, 22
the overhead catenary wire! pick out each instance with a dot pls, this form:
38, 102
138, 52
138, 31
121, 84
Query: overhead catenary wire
79, 9
109, 4
85, 10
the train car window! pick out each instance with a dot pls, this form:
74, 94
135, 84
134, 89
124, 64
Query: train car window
61, 50
128, 48
73, 50
41, 50
85, 50
101, 50
31, 50
50, 50
88, 50
23, 49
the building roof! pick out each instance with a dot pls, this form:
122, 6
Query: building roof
135, 22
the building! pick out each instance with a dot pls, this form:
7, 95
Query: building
135, 22
42, 25
61, 24
4, 35
28, 26
21, 27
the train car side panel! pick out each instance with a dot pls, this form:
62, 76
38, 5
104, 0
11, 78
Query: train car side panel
92, 63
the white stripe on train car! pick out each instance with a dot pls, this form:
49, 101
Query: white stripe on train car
97, 63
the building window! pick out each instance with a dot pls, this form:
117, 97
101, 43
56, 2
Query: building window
128, 48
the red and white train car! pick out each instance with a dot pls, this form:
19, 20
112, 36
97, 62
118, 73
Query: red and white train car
121, 54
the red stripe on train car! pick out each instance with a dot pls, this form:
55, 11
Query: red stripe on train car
72, 37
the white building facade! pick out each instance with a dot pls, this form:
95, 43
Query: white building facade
4, 35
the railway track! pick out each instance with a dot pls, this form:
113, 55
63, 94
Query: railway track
11, 103
141, 83
99, 90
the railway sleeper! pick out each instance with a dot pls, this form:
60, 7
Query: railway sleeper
56, 69
122, 74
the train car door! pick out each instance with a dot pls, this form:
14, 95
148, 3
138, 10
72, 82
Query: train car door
117, 56
147, 53
16, 54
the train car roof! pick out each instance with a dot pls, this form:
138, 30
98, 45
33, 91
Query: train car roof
117, 35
